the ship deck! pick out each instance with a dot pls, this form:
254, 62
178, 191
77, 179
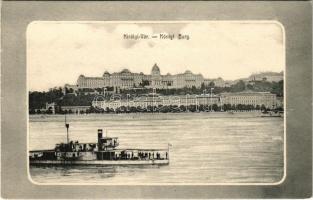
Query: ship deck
100, 162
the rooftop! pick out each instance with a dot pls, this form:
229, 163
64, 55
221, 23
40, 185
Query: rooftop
155, 67
125, 71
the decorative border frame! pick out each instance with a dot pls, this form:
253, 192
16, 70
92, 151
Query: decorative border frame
295, 16
168, 22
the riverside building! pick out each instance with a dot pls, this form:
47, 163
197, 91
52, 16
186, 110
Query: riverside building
267, 99
240, 98
154, 100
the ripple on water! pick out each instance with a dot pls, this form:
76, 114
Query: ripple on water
206, 147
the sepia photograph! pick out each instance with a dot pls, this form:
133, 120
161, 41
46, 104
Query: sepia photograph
156, 99
156, 102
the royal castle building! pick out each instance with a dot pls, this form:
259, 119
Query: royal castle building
126, 80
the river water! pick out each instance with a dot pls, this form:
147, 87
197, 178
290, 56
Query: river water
205, 148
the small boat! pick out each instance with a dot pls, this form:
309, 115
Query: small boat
103, 152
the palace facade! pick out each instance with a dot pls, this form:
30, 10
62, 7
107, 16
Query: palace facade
127, 80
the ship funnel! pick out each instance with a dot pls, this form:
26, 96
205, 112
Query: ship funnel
100, 133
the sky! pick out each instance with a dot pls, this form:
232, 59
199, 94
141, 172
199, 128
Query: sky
58, 52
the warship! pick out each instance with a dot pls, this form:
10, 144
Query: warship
102, 152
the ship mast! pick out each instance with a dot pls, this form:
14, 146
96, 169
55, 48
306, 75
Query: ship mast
67, 127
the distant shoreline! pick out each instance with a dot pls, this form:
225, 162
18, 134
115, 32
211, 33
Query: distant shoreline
143, 116
151, 113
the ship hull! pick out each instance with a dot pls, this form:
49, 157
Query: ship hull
99, 162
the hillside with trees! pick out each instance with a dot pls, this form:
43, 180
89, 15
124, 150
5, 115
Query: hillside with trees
84, 97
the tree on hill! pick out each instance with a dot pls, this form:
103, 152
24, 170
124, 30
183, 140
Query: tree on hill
211, 84
238, 87
278, 88
38, 100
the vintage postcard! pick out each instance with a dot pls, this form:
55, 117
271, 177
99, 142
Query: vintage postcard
156, 99
156, 102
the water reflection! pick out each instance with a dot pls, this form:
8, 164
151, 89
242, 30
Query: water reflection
206, 148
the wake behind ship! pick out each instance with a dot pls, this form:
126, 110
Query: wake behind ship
104, 152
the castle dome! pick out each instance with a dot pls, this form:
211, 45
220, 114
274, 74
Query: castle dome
155, 70
106, 73
125, 71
